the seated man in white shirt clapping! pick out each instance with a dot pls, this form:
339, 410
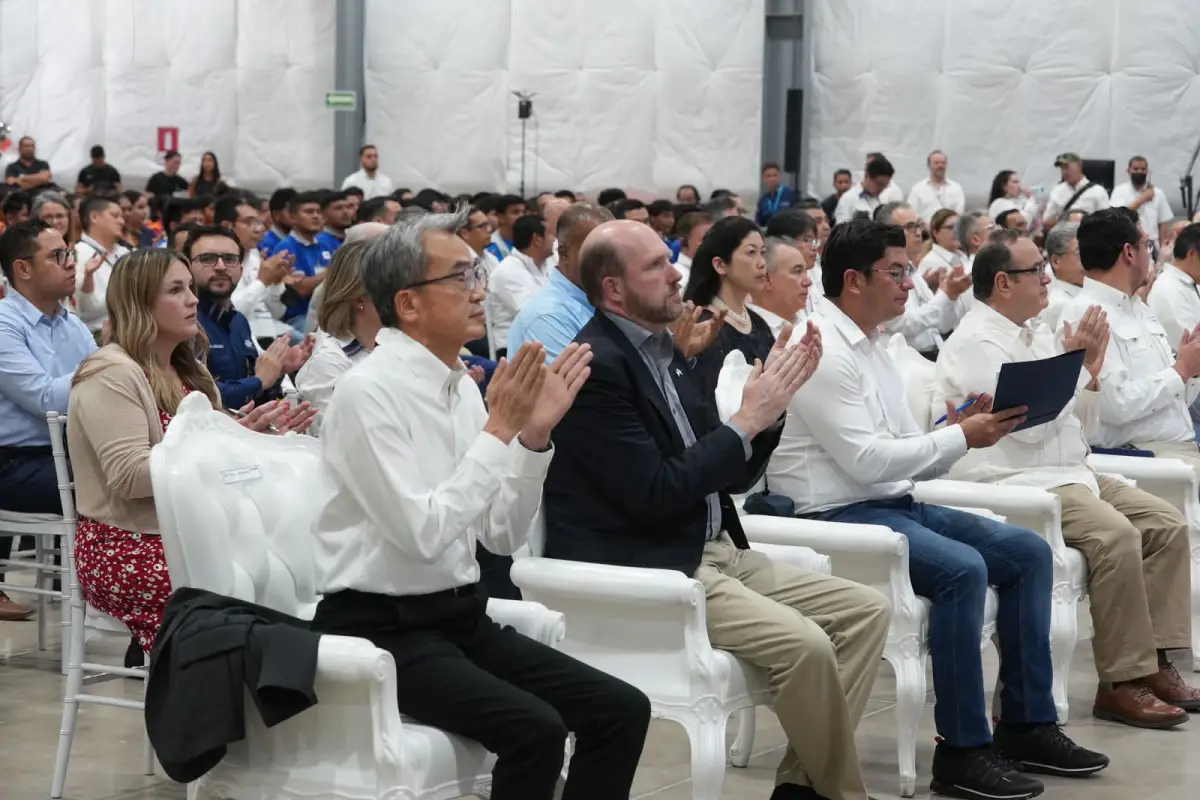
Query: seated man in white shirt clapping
421, 471
1136, 545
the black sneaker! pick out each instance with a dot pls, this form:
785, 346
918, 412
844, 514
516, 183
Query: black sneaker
979, 773
1046, 750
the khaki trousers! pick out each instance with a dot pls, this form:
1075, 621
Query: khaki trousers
818, 638
1139, 574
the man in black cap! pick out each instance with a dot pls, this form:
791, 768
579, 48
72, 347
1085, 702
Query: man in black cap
1074, 193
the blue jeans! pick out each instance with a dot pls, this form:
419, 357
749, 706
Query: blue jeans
953, 557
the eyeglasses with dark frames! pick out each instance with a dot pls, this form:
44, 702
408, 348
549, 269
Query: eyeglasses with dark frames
60, 256
475, 276
211, 259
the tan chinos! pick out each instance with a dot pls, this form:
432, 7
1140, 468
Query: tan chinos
818, 638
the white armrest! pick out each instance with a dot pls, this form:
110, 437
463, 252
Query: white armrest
1167, 478
803, 557
531, 619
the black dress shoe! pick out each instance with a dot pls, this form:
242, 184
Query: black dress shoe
979, 773
1046, 750
794, 791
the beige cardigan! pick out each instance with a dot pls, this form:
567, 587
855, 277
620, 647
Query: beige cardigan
112, 422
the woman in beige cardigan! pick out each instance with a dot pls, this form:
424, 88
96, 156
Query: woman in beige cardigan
122, 398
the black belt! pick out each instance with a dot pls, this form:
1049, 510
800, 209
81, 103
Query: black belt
37, 451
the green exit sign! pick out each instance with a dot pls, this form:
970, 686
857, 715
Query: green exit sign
341, 101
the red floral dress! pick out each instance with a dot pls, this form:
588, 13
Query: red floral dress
124, 573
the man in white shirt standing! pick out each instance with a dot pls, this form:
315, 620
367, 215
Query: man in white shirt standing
937, 191
521, 275
1136, 544
1175, 298
784, 294
98, 251
862, 200
893, 193
1143, 197
1062, 249
421, 471
368, 178
1074, 193
850, 452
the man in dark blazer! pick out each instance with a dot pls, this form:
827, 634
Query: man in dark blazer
641, 477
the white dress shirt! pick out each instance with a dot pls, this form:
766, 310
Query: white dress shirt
939, 257
1091, 201
1152, 213
379, 186
331, 359
1142, 397
413, 480
1044, 456
849, 435
252, 296
927, 316
1026, 205
1061, 294
927, 198
776, 322
817, 290
510, 286
91, 306
684, 264
1175, 301
856, 200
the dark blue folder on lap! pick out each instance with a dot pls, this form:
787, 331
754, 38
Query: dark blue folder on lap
1045, 386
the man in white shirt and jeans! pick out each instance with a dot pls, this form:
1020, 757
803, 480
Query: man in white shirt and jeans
1136, 545
420, 471
850, 452
372, 182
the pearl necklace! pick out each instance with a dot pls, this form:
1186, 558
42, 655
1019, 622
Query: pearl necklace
741, 320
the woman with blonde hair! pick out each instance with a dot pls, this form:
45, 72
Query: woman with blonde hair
348, 323
122, 398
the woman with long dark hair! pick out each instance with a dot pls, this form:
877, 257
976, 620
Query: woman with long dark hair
207, 182
729, 264
1009, 193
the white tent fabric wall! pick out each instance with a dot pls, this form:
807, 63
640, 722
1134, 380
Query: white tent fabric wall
1004, 86
642, 95
245, 80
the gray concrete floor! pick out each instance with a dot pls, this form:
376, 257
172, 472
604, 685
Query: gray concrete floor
105, 763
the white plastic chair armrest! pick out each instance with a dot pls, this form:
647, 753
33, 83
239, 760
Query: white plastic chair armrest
349, 659
1168, 478
530, 619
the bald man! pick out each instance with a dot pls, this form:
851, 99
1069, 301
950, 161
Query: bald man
642, 475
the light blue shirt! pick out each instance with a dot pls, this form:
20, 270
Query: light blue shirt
38, 358
554, 317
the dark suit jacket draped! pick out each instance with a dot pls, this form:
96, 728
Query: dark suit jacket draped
622, 488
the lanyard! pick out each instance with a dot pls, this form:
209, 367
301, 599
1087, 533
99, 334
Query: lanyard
774, 200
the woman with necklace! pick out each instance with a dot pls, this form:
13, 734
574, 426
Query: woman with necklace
729, 264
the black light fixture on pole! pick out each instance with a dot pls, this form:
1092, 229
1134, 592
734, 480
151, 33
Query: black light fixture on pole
1185, 185
524, 112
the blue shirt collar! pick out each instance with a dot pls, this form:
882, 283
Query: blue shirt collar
31, 313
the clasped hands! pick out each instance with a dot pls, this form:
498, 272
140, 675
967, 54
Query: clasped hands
770, 386
527, 398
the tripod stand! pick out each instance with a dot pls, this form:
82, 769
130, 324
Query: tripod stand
524, 112
1185, 185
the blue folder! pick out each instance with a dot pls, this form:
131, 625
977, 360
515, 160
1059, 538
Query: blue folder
1045, 386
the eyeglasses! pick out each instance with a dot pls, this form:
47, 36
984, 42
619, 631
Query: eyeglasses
898, 274
480, 226
809, 242
211, 259
1040, 269
474, 277
62, 256
911, 226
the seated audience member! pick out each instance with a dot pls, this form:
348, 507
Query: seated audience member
354, 199
630, 208
15, 208
945, 252
395, 540
1012, 220
1074, 193
122, 398
850, 452
1062, 249
729, 266
348, 324
309, 255
724, 205
556, 314
97, 172
98, 251
258, 295
1136, 545
1008, 193
776, 195
814, 209
180, 211
377, 209
803, 231
357, 233
281, 220
783, 298
867, 196
608, 196
641, 476
180, 234
690, 230
54, 210
972, 232
1174, 298
687, 195
508, 208
517, 278
243, 374
336, 216
41, 346
929, 313
135, 207
1145, 391
842, 181
662, 218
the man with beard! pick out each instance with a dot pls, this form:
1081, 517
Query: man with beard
241, 371
641, 476
1149, 201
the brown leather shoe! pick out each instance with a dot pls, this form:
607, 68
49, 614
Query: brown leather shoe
1133, 703
13, 612
1168, 686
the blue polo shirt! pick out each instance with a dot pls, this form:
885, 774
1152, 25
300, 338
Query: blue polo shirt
310, 259
231, 353
784, 197
554, 316
270, 242
329, 241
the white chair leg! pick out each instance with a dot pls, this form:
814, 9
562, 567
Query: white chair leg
66, 732
707, 735
1064, 634
743, 745
909, 669
148, 749
40, 582
1195, 605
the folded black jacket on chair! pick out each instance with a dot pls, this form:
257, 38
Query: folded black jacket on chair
209, 652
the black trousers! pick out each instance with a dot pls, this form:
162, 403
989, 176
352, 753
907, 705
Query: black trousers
28, 485
458, 670
494, 574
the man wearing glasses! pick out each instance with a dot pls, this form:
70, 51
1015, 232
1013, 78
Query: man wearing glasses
41, 346
850, 452
259, 293
1136, 545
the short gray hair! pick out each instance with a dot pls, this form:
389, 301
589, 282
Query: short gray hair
43, 198
771, 254
397, 259
966, 226
886, 211
1058, 240
575, 217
